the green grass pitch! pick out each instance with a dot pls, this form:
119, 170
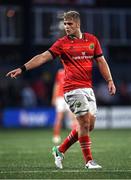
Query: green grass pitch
26, 154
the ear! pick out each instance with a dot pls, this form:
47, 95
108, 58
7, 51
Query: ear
78, 24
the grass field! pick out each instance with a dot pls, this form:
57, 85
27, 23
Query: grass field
26, 154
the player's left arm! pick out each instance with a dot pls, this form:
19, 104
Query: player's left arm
106, 73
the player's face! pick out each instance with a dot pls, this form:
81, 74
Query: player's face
71, 27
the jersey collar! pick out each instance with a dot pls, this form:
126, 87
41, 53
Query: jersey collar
72, 37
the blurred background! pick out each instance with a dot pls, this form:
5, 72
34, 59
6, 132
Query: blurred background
30, 27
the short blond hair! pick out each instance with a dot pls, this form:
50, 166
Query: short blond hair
72, 15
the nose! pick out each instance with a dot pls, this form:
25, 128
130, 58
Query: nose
66, 26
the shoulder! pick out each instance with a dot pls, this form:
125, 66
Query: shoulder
62, 39
90, 36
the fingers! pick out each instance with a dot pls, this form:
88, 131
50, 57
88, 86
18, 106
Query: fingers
112, 90
12, 74
112, 93
8, 74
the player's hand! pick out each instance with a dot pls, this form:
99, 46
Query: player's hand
111, 88
14, 73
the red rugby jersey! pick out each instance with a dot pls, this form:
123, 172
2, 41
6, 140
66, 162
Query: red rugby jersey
59, 80
77, 58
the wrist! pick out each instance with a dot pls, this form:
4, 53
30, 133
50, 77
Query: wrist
23, 68
109, 80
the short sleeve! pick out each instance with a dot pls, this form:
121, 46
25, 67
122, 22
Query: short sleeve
56, 49
98, 50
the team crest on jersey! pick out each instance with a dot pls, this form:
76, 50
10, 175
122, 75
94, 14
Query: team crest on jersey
91, 46
78, 104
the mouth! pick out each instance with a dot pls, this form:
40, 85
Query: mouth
68, 31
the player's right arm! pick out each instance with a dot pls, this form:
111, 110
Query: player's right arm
35, 62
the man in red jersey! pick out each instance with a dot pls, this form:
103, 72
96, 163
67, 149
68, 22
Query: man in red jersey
62, 109
77, 51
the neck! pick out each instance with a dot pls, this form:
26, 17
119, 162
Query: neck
79, 34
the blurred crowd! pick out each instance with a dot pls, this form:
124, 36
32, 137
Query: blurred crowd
35, 92
122, 97
80, 2
24, 93
38, 93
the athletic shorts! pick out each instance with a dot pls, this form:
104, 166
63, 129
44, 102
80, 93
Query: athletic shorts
61, 105
81, 101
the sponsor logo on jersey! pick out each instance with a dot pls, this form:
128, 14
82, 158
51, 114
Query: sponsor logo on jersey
83, 57
83, 53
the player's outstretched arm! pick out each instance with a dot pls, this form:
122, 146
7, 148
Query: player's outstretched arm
105, 71
36, 61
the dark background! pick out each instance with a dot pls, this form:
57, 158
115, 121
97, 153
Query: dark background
30, 27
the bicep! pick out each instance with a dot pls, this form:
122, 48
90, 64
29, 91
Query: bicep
47, 55
100, 60
102, 65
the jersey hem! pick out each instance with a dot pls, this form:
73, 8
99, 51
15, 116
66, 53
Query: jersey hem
73, 88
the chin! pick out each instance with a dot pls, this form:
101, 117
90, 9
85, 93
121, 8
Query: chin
70, 34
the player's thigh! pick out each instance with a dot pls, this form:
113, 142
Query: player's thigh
92, 101
77, 101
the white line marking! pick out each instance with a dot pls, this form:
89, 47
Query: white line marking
66, 171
